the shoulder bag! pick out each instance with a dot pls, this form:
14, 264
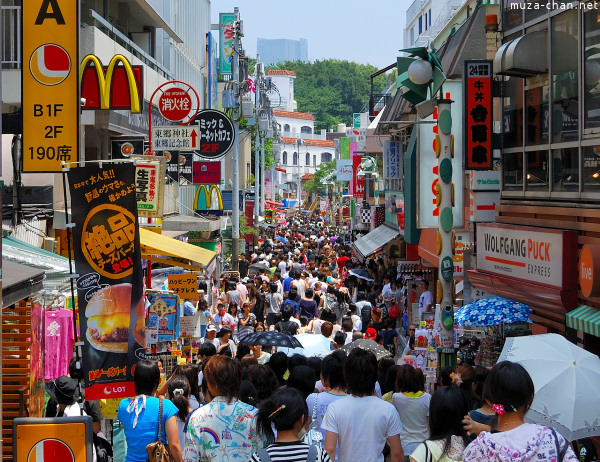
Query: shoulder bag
313, 436
158, 452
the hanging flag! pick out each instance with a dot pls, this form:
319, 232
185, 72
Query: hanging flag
107, 258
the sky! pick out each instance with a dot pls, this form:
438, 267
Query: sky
366, 31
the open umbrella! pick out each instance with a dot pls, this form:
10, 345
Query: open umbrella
312, 345
272, 338
361, 274
566, 380
369, 345
491, 312
259, 266
281, 239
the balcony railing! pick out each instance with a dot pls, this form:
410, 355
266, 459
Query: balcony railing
377, 102
11, 32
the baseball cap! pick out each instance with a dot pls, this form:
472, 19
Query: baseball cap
211, 327
371, 333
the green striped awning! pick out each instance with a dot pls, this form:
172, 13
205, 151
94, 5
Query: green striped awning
586, 319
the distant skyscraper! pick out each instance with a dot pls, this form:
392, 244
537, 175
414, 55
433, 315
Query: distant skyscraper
273, 51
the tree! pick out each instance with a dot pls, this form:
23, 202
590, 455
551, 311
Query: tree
332, 90
316, 182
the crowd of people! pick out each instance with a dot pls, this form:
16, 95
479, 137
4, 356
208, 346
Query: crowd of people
244, 402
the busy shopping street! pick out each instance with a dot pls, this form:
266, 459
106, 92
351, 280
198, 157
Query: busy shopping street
292, 231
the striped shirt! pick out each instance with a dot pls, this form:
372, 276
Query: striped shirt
294, 451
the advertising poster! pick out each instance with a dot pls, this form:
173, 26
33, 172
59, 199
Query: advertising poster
109, 287
163, 315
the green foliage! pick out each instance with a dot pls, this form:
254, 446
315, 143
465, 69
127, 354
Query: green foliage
332, 90
315, 183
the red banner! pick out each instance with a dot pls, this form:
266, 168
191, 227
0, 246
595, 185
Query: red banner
358, 183
206, 172
478, 115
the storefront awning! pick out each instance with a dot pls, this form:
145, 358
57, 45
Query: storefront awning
274, 203
374, 240
189, 223
586, 319
161, 249
19, 282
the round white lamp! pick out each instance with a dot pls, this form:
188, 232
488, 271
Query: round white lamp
592, 72
420, 72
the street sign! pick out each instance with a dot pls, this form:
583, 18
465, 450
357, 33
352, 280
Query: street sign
50, 84
175, 137
175, 104
216, 133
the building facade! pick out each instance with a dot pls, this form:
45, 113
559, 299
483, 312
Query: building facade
273, 51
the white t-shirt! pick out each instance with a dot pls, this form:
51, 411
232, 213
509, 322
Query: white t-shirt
414, 414
362, 425
356, 322
425, 299
323, 401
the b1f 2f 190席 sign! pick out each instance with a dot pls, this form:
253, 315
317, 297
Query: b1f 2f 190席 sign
50, 84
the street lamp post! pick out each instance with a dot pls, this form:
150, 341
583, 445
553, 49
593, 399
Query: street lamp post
299, 142
368, 170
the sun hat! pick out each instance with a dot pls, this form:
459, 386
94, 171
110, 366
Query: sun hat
62, 390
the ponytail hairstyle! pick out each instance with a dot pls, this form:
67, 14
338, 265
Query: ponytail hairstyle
179, 392
282, 410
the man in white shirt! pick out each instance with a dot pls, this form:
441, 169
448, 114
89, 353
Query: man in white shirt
426, 298
379, 420
241, 288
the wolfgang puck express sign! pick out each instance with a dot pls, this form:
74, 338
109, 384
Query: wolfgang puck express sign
109, 286
542, 256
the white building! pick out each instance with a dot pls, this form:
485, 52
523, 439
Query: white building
425, 19
282, 94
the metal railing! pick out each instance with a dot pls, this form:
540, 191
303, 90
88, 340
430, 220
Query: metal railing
116, 35
377, 102
11, 31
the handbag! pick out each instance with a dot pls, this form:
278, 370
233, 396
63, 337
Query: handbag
313, 436
158, 452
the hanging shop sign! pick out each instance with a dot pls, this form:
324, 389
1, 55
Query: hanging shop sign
184, 285
175, 137
107, 257
123, 147
206, 172
358, 182
116, 86
589, 268
538, 255
344, 148
478, 114
392, 160
216, 133
50, 84
163, 316
209, 199
343, 168
427, 167
225, 42
482, 205
149, 185
175, 104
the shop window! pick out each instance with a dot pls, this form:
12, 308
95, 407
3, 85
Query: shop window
537, 171
591, 168
512, 171
565, 77
512, 113
306, 129
591, 55
565, 169
315, 160
512, 15
326, 157
420, 25
307, 159
536, 115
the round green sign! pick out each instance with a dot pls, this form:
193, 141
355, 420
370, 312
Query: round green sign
447, 268
445, 121
446, 219
446, 170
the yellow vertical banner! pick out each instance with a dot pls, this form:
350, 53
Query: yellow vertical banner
50, 84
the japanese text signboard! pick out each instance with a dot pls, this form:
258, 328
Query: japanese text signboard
392, 160
184, 285
175, 137
478, 115
109, 286
175, 104
149, 185
163, 316
358, 182
216, 133
225, 42
50, 84
206, 172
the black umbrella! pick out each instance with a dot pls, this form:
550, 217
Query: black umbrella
272, 338
361, 274
259, 266
369, 345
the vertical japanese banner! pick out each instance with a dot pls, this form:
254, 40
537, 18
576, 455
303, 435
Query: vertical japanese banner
225, 42
358, 183
107, 258
344, 148
478, 115
392, 160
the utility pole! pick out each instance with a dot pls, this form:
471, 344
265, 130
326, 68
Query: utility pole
235, 76
257, 183
263, 184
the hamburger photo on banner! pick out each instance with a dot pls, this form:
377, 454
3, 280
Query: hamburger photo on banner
108, 319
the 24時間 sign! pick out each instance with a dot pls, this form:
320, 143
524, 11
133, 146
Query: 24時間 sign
50, 84
478, 115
